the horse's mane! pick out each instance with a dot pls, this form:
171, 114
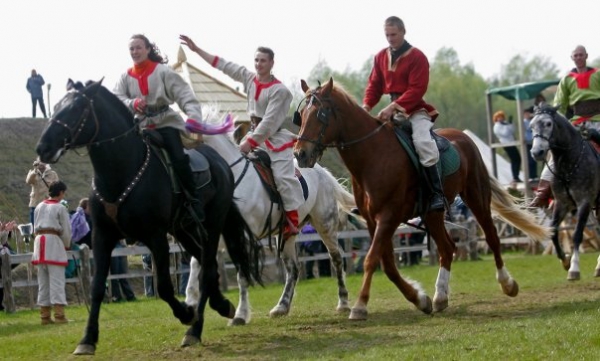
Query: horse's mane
346, 96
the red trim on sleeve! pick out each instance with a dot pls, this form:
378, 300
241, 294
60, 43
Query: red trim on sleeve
215, 62
252, 142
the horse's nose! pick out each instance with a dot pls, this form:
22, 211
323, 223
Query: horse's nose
301, 157
537, 154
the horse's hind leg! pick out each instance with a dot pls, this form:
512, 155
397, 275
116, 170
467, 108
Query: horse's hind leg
290, 262
446, 247
242, 312
597, 272
328, 234
192, 291
480, 206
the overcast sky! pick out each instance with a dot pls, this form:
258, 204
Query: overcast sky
88, 39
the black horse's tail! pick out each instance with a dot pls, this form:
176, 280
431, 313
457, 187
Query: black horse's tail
245, 250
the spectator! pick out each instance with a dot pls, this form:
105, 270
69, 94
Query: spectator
119, 266
53, 238
39, 178
34, 87
86, 237
527, 117
6, 230
505, 131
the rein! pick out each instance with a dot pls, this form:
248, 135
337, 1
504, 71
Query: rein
323, 115
110, 208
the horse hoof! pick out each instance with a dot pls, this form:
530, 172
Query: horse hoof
597, 272
428, 308
573, 276
237, 321
85, 349
358, 314
566, 263
342, 309
278, 312
440, 305
513, 291
189, 340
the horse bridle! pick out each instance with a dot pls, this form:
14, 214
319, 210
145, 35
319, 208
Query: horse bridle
79, 126
323, 115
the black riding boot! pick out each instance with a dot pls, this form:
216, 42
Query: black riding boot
435, 184
184, 173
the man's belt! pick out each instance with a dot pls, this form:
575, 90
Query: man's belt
587, 108
154, 110
255, 121
394, 96
47, 231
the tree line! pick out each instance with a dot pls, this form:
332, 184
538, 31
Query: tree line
456, 90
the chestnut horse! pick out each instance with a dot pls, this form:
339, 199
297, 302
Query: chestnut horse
386, 185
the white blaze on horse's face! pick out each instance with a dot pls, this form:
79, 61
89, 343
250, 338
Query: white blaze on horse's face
541, 129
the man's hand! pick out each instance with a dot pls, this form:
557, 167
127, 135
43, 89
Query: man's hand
245, 147
388, 112
139, 105
186, 40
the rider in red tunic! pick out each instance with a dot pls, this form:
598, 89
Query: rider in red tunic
402, 71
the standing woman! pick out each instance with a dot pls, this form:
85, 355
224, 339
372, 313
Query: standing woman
53, 238
505, 131
148, 89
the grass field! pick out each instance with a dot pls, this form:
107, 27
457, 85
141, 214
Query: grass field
550, 319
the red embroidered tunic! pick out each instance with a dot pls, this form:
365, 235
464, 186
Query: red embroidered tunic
408, 77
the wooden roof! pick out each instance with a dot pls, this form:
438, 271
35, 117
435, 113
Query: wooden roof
210, 90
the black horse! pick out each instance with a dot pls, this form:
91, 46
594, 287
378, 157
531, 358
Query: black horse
576, 184
132, 197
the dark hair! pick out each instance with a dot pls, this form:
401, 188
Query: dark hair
265, 50
56, 187
154, 53
395, 21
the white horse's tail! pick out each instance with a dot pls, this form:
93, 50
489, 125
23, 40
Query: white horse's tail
344, 199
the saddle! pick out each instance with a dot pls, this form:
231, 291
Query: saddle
262, 163
448, 163
198, 162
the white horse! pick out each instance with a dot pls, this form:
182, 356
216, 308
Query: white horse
325, 206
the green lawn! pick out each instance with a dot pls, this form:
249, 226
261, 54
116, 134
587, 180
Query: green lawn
550, 319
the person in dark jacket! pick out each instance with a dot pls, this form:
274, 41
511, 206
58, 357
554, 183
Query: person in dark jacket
34, 87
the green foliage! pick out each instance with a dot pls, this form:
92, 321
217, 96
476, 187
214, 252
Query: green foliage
550, 319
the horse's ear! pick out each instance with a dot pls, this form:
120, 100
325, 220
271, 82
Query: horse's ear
70, 84
328, 87
303, 85
92, 89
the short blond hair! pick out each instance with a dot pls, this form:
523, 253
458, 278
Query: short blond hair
498, 115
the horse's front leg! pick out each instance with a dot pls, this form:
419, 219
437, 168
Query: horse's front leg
380, 235
102, 254
242, 313
583, 213
558, 214
290, 262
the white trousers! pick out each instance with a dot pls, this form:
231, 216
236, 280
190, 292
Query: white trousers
51, 285
424, 144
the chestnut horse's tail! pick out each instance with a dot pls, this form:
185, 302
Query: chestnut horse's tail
506, 207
